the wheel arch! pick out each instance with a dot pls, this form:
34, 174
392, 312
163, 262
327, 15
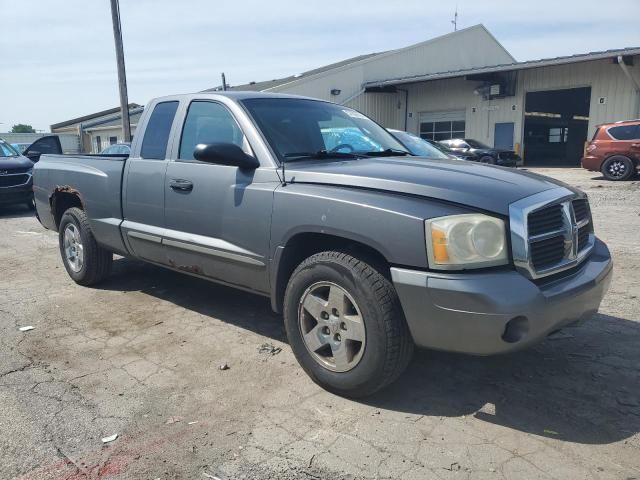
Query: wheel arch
304, 244
62, 199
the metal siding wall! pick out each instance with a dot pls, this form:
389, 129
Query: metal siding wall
385, 108
604, 78
70, 142
472, 47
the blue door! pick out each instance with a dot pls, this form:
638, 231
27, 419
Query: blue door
503, 136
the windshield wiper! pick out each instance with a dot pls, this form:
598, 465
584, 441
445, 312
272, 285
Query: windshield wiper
319, 155
389, 152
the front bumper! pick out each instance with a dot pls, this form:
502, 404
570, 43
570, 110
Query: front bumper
591, 162
475, 312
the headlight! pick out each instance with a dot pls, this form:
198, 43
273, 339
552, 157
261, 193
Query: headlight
474, 240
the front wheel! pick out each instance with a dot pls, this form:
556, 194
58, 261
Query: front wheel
345, 324
618, 168
489, 160
86, 262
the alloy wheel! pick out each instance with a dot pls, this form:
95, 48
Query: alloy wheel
332, 327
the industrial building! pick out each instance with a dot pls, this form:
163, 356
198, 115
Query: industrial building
98, 130
466, 84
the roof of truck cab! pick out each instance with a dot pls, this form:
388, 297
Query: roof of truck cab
236, 95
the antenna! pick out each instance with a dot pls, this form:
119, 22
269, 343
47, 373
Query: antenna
224, 82
455, 19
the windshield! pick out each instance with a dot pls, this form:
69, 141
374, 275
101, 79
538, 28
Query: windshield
418, 146
7, 150
305, 128
475, 144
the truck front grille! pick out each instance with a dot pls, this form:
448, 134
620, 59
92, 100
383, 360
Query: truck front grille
547, 220
550, 232
13, 180
547, 253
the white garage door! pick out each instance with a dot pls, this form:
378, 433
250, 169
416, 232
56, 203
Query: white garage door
442, 125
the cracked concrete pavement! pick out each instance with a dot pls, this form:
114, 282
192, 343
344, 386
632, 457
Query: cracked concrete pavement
140, 355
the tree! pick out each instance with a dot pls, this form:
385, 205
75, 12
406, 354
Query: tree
22, 128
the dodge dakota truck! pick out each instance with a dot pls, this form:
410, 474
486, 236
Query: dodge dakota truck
366, 250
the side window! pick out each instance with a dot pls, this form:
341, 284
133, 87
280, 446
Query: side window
208, 122
625, 132
156, 135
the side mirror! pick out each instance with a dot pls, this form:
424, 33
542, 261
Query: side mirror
32, 155
225, 154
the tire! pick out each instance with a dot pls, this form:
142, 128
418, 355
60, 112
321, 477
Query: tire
369, 296
488, 160
618, 168
31, 204
95, 263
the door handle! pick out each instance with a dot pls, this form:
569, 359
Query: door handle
180, 185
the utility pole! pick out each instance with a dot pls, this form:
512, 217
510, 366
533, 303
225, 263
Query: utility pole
122, 75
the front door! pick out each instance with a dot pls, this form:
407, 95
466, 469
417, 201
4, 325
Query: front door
49, 145
503, 136
217, 217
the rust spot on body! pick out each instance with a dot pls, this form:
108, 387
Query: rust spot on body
196, 269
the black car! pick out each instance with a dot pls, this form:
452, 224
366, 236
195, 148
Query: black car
16, 181
419, 146
454, 153
482, 153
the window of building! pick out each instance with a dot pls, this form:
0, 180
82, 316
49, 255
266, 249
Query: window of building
443, 130
156, 135
98, 144
625, 132
113, 140
558, 135
208, 122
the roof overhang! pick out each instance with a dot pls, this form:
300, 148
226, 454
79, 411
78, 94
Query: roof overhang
587, 57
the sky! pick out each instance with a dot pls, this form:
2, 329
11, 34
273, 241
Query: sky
58, 62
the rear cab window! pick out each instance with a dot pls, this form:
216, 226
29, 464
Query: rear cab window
156, 135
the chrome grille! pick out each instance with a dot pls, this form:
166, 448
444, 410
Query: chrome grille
550, 232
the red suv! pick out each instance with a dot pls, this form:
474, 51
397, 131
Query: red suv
614, 150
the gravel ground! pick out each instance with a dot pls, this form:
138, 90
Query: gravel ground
140, 357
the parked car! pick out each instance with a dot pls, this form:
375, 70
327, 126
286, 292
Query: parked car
16, 182
20, 147
418, 146
452, 153
367, 253
614, 150
483, 153
117, 149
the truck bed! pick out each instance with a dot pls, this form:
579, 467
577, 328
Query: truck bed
96, 179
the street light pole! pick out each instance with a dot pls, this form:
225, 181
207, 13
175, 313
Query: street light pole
122, 76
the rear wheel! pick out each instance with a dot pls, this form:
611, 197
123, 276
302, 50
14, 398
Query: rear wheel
488, 160
86, 262
618, 168
345, 324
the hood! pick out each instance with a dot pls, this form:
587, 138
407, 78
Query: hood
481, 186
15, 164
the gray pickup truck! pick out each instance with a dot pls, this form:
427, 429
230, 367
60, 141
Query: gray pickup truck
365, 249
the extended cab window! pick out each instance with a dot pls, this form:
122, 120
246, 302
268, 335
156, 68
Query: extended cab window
208, 122
156, 135
625, 132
